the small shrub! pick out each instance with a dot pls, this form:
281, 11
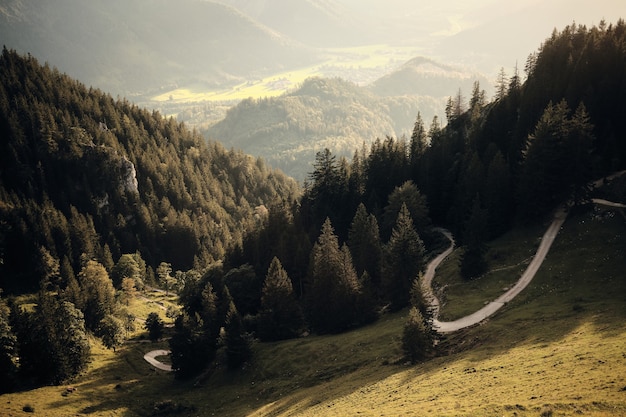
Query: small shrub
168, 407
28, 408
546, 412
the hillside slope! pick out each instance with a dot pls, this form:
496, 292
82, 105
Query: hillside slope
323, 113
83, 175
423, 76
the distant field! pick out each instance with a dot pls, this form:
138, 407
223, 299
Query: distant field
359, 64
557, 350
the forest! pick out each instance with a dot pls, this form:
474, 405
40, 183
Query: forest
100, 197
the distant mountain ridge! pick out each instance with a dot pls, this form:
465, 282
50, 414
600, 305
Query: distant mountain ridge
426, 77
339, 115
288, 130
130, 47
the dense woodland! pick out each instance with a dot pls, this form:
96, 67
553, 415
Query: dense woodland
99, 197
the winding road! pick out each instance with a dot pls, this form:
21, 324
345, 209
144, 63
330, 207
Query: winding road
488, 310
151, 356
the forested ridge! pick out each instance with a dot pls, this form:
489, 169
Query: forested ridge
495, 165
541, 140
262, 261
86, 176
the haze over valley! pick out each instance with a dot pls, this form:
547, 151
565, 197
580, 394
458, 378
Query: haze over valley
195, 59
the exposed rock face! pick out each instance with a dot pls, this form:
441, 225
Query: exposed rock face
129, 176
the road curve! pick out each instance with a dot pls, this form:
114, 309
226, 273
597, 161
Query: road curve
489, 309
151, 356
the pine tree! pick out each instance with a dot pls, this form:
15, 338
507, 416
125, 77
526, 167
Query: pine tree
405, 260
498, 196
473, 263
280, 316
415, 202
557, 161
419, 140
52, 340
416, 340
334, 285
501, 84
8, 350
238, 346
191, 349
154, 326
365, 245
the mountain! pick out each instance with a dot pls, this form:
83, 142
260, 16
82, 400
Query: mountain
321, 23
139, 46
323, 113
83, 176
336, 114
423, 76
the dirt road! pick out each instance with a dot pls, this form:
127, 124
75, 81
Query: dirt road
151, 356
493, 306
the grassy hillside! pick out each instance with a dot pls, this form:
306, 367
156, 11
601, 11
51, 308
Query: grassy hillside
557, 350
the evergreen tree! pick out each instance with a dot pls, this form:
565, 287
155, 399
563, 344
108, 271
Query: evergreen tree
52, 340
416, 340
580, 146
473, 263
418, 300
557, 160
154, 326
325, 190
502, 83
498, 196
8, 350
365, 245
415, 202
334, 285
191, 349
419, 140
405, 260
280, 316
164, 274
238, 346
196, 331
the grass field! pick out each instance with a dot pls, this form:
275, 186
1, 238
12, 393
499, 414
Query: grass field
559, 349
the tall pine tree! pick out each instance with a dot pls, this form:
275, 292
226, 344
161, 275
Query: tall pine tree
405, 260
280, 316
334, 286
